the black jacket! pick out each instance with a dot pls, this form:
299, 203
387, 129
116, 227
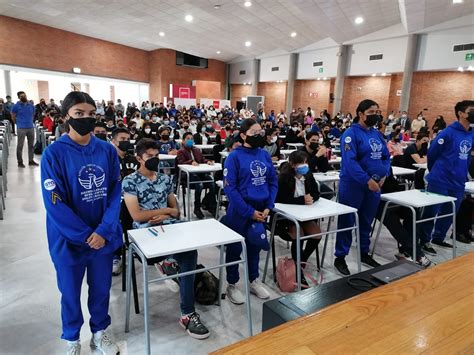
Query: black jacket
287, 185
316, 164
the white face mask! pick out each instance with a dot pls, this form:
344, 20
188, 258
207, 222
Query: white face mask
295, 129
321, 140
274, 139
147, 130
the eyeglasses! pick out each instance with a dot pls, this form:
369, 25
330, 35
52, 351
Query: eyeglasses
256, 133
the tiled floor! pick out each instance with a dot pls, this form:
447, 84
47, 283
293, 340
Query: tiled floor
29, 299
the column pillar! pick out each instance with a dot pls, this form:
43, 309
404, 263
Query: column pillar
290, 87
227, 82
256, 76
342, 57
410, 60
8, 83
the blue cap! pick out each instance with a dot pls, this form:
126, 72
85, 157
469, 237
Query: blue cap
257, 235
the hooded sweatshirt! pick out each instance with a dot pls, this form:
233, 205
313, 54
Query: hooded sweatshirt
81, 192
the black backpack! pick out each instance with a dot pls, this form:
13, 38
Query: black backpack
206, 287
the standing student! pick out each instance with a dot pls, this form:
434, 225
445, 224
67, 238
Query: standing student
448, 163
80, 177
22, 114
364, 167
250, 184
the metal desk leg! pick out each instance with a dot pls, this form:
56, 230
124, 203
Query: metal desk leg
145, 302
298, 254
128, 288
379, 229
246, 281
359, 266
454, 228
221, 261
326, 237
179, 184
413, 221
272, 235
188, 196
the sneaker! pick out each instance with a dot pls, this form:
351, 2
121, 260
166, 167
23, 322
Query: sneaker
198, 213
21, 165
117, 267
423, 261
366, 259
403, 256
257, 288
462, 238
193, 326
102, 344
428, 248
73, 347
341, 266
442, 243
167, 268
33, 163
234, 294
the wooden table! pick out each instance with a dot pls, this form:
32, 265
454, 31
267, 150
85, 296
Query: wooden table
429, 312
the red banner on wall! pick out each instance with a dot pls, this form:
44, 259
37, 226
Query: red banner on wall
182, 91
215, 103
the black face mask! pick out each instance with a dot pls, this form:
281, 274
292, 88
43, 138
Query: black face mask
371, 120
470, 116
23, 99
125, 146
314, 146
424, 146
257, 141
101, 136
83, 126
152, 164
165, 137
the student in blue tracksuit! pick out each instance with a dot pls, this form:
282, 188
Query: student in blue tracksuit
80, 177
364, 167
251, 185
449, 157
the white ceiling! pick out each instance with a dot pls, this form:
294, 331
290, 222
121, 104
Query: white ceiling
267, 23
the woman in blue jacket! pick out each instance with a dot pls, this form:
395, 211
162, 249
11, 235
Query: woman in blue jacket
364, 167
81, 188
251, 185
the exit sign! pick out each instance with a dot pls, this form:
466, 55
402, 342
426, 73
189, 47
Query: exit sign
469, 56
321, 69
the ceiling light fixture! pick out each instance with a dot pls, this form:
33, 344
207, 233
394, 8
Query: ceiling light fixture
76, 70
188, 18
293, 34
247, 3
217, 6
457, 1
374, 74
162, 34
384, 74
325, 78
218, 52
358, 20
319, 78
460, 69
248, 44
470, 68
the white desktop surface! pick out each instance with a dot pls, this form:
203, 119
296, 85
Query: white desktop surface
320, 209
416, 198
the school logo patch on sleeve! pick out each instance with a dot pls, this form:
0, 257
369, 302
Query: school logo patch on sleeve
441, 141
49, 184
225, 172
348, 140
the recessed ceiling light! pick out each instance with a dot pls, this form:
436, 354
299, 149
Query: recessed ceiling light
217, 6
457, 1
384, 74
248, 44
188, 18
293, 34
374, 74
470, 68
358, 20
460, 69
218, 52
247, 3
162, 34
325, 78
319, 78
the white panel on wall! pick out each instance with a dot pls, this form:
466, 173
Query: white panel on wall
436, 49
268, 65
241, 72
306, 70
393, 50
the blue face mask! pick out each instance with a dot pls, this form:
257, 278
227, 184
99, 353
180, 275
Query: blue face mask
302, 169
189, 144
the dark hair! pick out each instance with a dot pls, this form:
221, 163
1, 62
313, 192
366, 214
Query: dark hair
310, 135
8, 97
187, 134
364, 105
19, 93
199, 127
245, 126
119, 130
164, 128
420, 136
296, 157
462, 106
99, 124
144, 144
74, 98
269, 132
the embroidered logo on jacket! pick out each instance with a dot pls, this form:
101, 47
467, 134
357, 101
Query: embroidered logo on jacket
376, 147
464, 149
91, 177
258, 170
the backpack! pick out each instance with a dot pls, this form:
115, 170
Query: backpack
286, 275
206, 287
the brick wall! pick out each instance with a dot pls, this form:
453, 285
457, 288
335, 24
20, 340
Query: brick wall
237, 91
358, 88
208, 89
275, 95
439, 92
42, 47
302, 90
394, 100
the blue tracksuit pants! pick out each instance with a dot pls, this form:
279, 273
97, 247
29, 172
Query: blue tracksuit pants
99, 279
366, 202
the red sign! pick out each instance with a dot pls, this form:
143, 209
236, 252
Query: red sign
313, 94
183, 91
215, 103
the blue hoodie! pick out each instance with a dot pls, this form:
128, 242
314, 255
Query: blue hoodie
249, 181
364, 155
81, 192
449, 157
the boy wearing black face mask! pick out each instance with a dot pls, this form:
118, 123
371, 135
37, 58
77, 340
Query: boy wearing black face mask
317, 160
100, 131
416, 153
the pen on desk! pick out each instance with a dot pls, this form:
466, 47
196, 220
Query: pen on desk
162, 229
153, 232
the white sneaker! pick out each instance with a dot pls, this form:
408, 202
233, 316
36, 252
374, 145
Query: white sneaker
257, 288
172, 285
117, 267
102, 344
403, 256
234, 294
73, 347
423, 261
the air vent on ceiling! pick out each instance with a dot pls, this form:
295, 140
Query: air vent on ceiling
463, 47
242, 72
275, 68
376, 57
317, 64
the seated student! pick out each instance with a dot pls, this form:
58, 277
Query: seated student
394, 146
219, 147
150, 200
201, 136
48, 121
100, 131
191, 155
110, 124
295, 134
327, 136
146, 132
271, 145
132, 128
296, 186
398, 221
165, 144
416, 153
336, 131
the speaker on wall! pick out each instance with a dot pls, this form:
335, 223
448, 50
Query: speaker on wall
331, 97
